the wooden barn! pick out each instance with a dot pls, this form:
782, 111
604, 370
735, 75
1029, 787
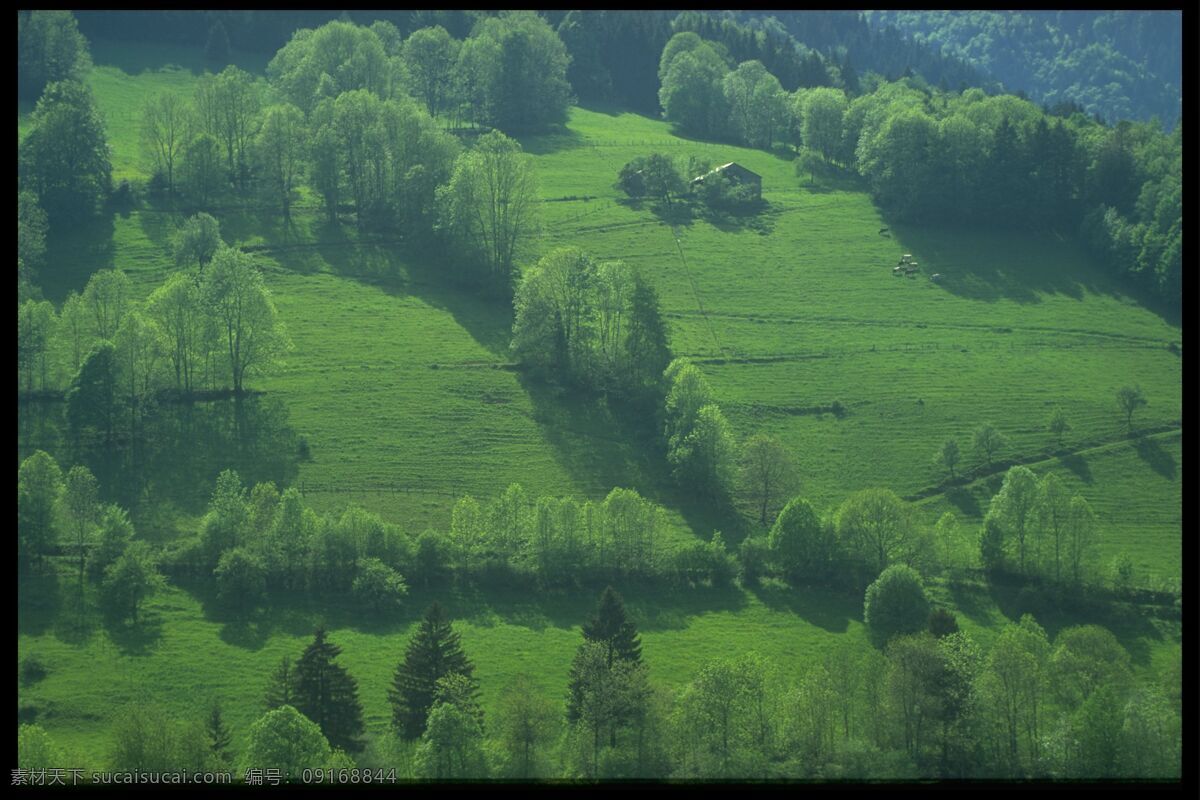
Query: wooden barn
737, 174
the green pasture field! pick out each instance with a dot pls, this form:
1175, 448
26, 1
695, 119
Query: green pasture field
402, 384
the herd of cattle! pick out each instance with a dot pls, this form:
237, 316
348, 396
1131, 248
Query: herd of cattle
907, 266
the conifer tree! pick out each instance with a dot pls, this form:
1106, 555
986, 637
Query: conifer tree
611, 629
326, 694
219, 737
216, 49
281, 690
434, 652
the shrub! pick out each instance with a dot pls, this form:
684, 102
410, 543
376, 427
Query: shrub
241, 579
711, 563
32, 670
801, 546
753, 555
942, 623
895, 604
378, 586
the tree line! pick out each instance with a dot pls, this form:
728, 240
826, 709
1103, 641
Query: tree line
923, 705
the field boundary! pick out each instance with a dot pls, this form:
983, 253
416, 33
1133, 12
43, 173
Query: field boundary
975, 476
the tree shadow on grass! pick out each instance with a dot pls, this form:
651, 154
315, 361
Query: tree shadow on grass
759, 217
134, 638
555, 142
182, 449
1158, 459
828, 610
1132, 627
39, 600
993, 265
1078, 465
651, 606
605, 443
965, 501
680, 212
974, 602
77, 620
159, 222
73, 253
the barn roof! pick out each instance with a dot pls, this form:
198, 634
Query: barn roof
732, 166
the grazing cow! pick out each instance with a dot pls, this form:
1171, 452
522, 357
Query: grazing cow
935, 277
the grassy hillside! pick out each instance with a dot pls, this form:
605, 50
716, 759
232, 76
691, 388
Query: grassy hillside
403, 387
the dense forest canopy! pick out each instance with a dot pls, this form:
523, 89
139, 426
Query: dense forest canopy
1118, 64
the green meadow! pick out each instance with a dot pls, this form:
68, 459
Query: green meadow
403, 386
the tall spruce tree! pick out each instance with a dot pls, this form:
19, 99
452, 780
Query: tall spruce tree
281, 689
326, 694
219, 737
434, 652
610, 628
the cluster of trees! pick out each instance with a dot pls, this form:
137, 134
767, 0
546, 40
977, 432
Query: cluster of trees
201, 329
935, 706
592, 324
704, 95
765, 41
31, 244
53, 508
700, 443
510, 73
349, 111
614, 55
1035, 528
562, 541
871, 530
925, 705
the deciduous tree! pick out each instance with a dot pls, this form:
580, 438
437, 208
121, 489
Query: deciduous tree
895, 604
1129, 400
234, 292
768, 472
165, 122
64, 158
490, 202
39, 485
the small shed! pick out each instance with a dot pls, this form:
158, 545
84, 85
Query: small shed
737, 174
